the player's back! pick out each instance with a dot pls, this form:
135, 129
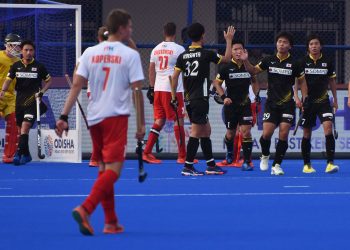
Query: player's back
110, 67
164, 56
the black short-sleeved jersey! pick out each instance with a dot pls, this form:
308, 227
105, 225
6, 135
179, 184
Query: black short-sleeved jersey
281, 77
237, 81
317, 74
29, 79
195, 65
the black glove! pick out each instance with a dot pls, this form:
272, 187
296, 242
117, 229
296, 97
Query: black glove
174, 103
218, 99
40, 94
150, 94
65, 119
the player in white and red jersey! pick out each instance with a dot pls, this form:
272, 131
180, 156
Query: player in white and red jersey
162, 63
112, 69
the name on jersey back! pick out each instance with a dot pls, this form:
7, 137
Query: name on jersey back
192, 55
106, 59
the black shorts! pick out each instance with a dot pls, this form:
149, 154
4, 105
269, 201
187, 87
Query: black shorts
279, 113
198, 110
321, 110
234, 115
28, 113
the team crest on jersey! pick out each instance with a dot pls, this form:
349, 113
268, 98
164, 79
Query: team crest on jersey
108, 48
324, 64
34, 69
288, 65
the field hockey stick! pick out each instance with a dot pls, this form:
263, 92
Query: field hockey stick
139, 123
79, 105
41, 156
298, 123
158, 148
176, 115
335, 132
257, 103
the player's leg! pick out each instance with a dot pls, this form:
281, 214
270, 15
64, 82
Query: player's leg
231, 126
237, 146
11, 138
309, 121
325, 115
269, 126
159, 116
281, 148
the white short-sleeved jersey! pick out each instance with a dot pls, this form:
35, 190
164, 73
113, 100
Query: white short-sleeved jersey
110, 68
251, 94
164, 55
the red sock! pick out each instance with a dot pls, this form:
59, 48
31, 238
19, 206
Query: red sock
180, 131
237, 147
108, 206
103, 185
152, 138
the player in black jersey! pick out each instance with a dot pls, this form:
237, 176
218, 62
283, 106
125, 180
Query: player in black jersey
195, 65
280, 107
237, 106
29, 74
319, 74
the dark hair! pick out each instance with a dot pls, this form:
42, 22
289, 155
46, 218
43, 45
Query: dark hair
195, 31
27, 42
102, 33
285, 35
169, 29
237, 41
312, 37
115, 19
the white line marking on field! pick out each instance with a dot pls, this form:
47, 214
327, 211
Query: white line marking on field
176, 195
296, 186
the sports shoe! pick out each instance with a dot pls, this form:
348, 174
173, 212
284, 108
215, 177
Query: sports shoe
215, 171
25, 159
191, 172
113, 229
82, 218
93, 164
277, 170
308, 169
17, 159
247, 166
229, 158
6, 159
150, 158
331, 168
183, 160
264, 162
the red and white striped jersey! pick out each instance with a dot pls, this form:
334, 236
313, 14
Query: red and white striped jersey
164, 55
110, 68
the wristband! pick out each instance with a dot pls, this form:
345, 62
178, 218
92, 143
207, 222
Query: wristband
64, 118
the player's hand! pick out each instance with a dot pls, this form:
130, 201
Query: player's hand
150, 94
306, 104
139, 135
298, 103
62, 125
244, 55
174, 103
227, 101
229, 33
335, 106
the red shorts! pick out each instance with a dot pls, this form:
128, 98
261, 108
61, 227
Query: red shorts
163, 109
109, 139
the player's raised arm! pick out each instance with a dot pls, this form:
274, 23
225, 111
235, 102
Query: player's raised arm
229, 34
253, 70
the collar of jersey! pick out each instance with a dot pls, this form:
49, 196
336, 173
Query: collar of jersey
232, 60
28, 63
313, 59
195, 47
284, 58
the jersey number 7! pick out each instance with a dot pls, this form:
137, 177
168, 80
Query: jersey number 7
107, 69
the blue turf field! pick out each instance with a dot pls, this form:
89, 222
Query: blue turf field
241, 210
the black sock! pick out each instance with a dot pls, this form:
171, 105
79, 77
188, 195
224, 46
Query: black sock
281, 150
229, 145
306, 150
247, 146
330, 147
23, 148
192, 148
265, 146
207, 151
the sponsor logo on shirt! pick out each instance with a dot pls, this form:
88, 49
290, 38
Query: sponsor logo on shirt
280, 71
311, 71
26, 75
34, 69
288, 65
324, 64
239, 75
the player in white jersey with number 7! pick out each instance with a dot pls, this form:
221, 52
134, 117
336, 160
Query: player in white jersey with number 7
112, 69
162, 63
